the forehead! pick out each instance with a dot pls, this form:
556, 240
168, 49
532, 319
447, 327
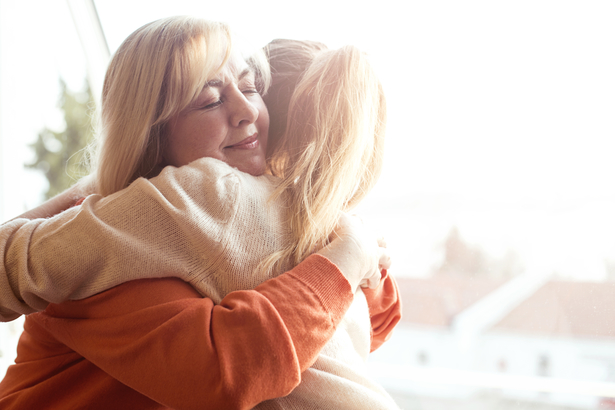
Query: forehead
234, 68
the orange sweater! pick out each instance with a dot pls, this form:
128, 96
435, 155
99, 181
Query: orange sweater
156, 343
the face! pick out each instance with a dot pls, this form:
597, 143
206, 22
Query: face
227, 121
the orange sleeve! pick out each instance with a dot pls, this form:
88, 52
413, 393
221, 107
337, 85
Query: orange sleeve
384, 309
159, 337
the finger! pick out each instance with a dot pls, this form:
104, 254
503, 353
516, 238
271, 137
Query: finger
368, 284
334, 235
382, 242
343, 222
346, 224
384, 261
372, 281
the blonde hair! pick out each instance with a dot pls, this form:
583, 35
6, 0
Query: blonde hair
157, 71
331, 153
288, 61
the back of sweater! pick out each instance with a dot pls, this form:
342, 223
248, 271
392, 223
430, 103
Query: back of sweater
209, 224
256, 229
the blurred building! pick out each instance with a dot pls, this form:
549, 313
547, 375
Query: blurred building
528, 340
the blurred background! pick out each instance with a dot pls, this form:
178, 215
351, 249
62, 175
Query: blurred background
497, 196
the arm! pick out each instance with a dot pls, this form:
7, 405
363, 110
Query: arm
108, 241
161, 339
384, 309
148, 230
383, 297
12, 302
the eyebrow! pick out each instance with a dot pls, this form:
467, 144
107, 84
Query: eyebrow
244, 73
220, 83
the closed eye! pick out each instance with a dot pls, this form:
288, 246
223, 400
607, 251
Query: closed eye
212, 105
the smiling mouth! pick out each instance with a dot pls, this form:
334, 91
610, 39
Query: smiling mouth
248, 143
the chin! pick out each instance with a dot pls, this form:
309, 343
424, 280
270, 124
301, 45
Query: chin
256, 168
257, 171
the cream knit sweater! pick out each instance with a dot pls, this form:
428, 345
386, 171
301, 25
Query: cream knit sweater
206, 223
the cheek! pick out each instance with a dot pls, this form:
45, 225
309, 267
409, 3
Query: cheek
189, 139
263, 118
263, 128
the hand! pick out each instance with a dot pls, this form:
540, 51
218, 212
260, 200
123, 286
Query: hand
353, 227
357, 252
384, 262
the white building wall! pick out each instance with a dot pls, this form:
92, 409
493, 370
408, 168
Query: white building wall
578, 372
575, 359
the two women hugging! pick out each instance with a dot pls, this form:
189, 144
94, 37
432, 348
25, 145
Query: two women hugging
215, 265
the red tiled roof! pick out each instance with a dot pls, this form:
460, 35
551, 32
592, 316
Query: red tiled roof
434, 301
565, 309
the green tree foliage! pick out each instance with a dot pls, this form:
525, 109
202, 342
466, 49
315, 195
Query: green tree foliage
61, 155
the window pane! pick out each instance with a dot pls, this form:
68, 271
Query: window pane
497, 195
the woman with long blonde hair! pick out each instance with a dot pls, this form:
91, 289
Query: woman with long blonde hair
200, 124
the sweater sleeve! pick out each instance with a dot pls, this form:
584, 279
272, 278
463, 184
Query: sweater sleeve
161, 339
147, 230
384, 309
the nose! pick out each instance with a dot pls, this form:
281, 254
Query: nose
243, 110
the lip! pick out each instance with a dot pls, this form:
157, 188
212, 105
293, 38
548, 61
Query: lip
248, 143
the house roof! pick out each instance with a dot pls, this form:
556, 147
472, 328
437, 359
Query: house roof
558, 308
435, 301
563, 308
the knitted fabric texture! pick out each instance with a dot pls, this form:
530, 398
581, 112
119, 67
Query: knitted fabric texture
207, 223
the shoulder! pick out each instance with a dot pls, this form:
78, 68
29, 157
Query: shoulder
202, 172
248, 187
128, 297
206, 188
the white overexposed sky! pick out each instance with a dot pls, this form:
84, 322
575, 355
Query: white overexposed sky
500, 113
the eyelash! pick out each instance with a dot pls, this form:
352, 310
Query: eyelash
213, 105
219, 102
